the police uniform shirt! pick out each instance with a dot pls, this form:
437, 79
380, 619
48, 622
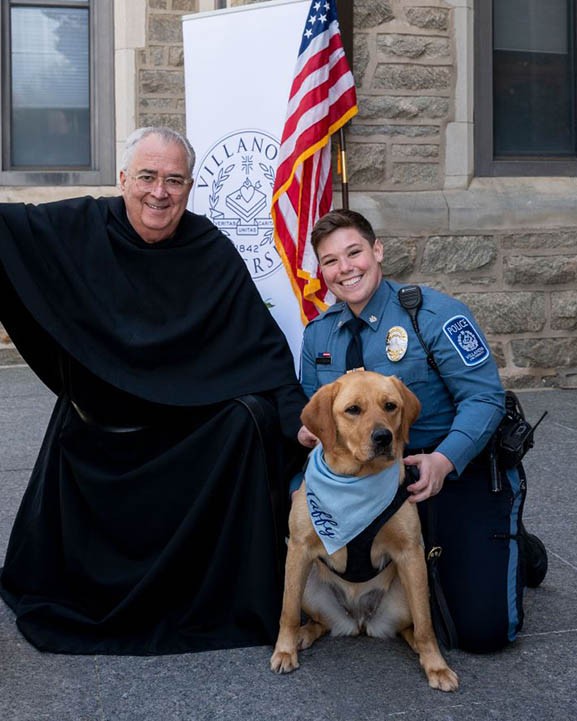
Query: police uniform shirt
460, 412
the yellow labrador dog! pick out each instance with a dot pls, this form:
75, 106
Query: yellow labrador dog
362, 421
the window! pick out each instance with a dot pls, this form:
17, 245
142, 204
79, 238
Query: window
525, 87
56, 94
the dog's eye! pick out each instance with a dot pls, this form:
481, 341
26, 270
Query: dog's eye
353, 410
390, 407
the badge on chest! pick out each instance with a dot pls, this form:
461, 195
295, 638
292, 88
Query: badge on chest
396, 343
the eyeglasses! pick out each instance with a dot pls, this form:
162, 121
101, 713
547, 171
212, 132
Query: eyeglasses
173, 184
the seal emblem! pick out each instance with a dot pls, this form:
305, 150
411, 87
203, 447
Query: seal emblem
233, 187
396, 343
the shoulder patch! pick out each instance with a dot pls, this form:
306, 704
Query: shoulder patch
466, 340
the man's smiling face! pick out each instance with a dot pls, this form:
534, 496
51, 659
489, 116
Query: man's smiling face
154, 212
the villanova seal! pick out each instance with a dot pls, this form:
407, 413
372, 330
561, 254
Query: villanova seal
234, 185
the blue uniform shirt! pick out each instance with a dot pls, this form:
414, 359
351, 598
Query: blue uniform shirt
460, 412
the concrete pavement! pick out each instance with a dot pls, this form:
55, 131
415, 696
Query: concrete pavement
340, 679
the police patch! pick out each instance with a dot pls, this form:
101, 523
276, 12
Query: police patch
466, 340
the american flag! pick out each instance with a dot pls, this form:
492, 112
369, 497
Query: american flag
322, 99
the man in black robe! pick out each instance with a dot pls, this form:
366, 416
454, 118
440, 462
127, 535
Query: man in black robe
153, 521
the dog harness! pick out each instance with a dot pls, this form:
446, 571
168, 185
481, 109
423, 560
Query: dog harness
359, 566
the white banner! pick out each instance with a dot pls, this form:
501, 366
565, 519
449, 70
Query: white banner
238, 67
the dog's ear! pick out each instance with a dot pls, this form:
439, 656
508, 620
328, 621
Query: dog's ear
411, 408
317, 415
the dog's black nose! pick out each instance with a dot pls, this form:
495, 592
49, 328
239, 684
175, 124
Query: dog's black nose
381, 437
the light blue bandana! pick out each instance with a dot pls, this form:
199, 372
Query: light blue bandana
343, 506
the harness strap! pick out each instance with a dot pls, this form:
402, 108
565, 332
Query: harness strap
359, 567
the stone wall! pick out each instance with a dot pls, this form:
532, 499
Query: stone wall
405, 76
160, 65
521, 287
403, 61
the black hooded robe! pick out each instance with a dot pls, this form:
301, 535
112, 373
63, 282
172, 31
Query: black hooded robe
153, 520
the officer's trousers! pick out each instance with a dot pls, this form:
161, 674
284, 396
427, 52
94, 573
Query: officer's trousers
479, 566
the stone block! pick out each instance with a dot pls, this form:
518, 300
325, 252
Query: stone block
176, 57
161, 82
498, 351
392, 107
412, 150
165, 29
154, 105
399, 256
390, 76
428, 18
565, 378
8, 353
507, 204
540, 270
402, 213
411, 174
415, 47
524, 381
187, 6
507, 313
543, 240
9, 356
361, 55
394, 131
175, 121
158, 4
367, 164
458, 254
544, 352
154, 56
371, 13
564, 310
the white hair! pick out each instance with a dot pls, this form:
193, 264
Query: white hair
167, 134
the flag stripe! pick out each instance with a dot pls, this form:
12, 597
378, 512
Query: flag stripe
331, 89
322, 99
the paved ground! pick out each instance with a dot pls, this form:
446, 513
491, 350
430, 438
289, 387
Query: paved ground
339, 679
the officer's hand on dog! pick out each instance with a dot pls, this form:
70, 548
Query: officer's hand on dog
433, 469
306, 438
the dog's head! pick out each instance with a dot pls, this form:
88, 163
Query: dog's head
362, 420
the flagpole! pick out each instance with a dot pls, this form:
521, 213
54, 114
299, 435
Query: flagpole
343, 169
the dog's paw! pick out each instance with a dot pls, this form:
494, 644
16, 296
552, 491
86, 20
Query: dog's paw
445, 679
284, 662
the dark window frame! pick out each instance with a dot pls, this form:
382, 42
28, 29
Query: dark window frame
101, 40
486, 165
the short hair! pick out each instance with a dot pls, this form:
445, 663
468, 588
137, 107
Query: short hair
341, 218
167, 134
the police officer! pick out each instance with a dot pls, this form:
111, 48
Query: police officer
462, 404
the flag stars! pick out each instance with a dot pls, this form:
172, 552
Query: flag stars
323, 18
317, 7
312, 19
308, 33
327, 6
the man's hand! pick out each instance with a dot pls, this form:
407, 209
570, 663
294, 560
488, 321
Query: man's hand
433, 468
306, 438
